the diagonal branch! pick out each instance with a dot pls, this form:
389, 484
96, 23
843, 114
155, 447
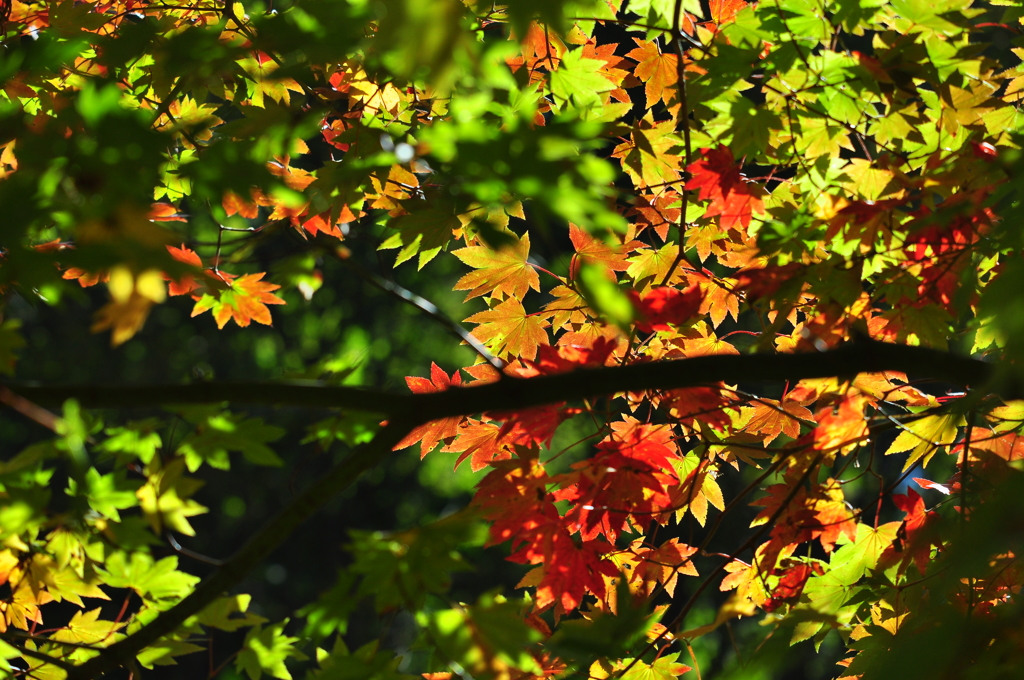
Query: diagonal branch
233, 570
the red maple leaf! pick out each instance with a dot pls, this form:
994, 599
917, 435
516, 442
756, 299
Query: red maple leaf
663, 305
759, 283
187, 282
717, 177
565, 358
791, 585
435, 431
919, 530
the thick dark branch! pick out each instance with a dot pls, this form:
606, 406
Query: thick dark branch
509, 394
304, 393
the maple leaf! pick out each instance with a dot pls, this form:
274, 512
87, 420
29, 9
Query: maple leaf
480, 442
664, 667
841, 427
764, 282
649, 266
86, 628
616, 68
165, 498
663, 305
924, 437
150, 579
571, 571
509, 331
832, 517
266, 650
772, 418
580, 79
590, 249
657, 211
501, 273
244, 299
132, 297
920, 528
724, 11
706, 404
435, 431
186, 283
21, 608
552, 360
515, 499
236, 205
664, 564
717, 178
262, 81
791, 584
658, 72
652, 155
541, 48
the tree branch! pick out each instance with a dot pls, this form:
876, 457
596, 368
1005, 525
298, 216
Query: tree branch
862, 356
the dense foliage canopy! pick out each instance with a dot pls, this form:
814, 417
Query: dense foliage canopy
731, 296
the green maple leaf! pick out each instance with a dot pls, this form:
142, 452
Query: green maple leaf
108, 493
424, 232
218, 433
165, 497
152, 580
136, 439
228, 613
652, 155
579, 79
649, 266
265, 650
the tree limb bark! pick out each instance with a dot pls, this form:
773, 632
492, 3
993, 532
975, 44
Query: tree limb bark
863, 356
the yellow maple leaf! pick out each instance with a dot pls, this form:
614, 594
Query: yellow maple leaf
86, 628
132, 297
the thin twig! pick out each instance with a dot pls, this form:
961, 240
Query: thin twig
422, 304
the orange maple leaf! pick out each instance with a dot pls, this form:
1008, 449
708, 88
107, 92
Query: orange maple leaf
772, 418
664, 564
244, 299
590, 249
429, 434
658, 72
480, 442
724, 11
